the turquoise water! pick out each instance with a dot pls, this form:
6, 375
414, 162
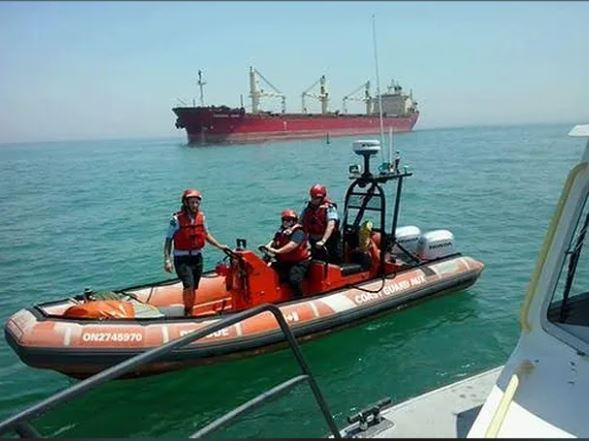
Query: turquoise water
93, 214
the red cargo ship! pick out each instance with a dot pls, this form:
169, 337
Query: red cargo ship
221, 124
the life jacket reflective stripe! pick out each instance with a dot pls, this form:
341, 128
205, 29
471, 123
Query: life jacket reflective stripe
315, 217
190, 236
298, 254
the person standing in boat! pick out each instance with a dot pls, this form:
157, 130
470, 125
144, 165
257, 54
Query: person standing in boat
188, 233
321, 222
290, 247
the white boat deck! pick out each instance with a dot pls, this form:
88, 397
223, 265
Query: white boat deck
448, 412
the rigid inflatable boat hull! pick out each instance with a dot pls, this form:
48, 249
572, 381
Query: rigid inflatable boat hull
80, 348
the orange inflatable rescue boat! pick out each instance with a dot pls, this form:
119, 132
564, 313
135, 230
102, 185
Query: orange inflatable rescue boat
82, 335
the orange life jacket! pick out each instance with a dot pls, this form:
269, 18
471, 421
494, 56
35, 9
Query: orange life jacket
298, 254
315, 218
190, 236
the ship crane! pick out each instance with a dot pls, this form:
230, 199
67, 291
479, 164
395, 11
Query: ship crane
367, 99
256, 94
323, 96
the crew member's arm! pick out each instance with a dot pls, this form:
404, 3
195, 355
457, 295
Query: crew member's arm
328, 230
168, 266
331, 220
210, 239
291, 245
172, 228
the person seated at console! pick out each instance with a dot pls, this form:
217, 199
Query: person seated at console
290, 247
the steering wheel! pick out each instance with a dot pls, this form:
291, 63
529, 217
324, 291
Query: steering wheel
266, 254
230, 253
230, 257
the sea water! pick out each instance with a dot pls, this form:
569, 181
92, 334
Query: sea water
94, 214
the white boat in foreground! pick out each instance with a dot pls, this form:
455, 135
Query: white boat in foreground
542, 390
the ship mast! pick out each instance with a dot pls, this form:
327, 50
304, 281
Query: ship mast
323, 95
201, 83
256, 94
366, 99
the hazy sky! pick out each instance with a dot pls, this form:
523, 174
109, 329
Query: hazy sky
86, 70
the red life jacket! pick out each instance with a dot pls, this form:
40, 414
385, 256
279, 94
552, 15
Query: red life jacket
298, 254
190, 236
315, 218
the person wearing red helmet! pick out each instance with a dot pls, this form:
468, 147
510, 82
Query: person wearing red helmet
321, 222
188, 232
291, 250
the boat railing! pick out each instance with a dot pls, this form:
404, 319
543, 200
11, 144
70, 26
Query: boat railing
21, 424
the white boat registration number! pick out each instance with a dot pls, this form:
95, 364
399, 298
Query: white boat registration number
112, 336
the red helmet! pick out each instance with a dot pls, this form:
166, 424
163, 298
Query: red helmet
191, 193
318, 191
288, 214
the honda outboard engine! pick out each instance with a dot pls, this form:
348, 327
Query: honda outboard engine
435, 245
407, 237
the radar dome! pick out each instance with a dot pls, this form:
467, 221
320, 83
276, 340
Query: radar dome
366, 147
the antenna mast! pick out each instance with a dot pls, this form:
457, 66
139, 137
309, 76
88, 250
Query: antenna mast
378, 85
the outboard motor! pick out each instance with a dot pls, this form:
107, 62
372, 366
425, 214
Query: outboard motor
407, 237
435, 245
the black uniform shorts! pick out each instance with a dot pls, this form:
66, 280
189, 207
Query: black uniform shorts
189, 270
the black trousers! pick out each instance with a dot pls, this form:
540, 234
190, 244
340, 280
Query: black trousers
189, 270
294, 274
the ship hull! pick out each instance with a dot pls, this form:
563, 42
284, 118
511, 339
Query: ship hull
210, 125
